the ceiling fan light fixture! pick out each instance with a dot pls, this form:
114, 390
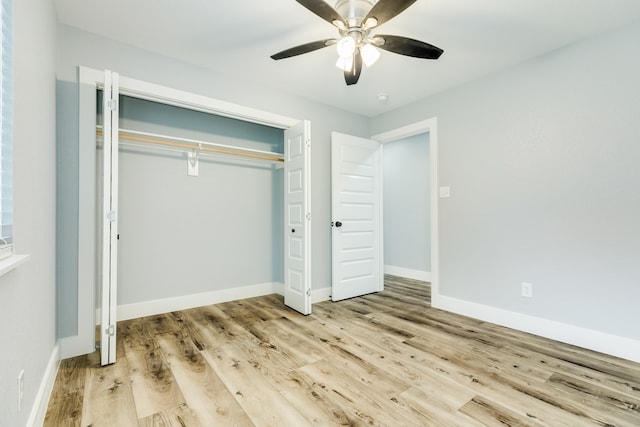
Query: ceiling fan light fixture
370, 54
346, 46
345, 63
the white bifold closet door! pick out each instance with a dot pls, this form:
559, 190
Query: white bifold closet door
297, 214
109, 217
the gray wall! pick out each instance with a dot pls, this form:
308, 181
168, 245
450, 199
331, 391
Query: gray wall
182, 235
542, 161
80, 48
407, 236
27, 294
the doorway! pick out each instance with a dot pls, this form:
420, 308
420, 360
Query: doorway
430, 127
406, 188
369, 267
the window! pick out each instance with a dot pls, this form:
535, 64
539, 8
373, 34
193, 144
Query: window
6, 129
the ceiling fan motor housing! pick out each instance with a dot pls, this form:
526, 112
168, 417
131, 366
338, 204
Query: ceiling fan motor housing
354, 11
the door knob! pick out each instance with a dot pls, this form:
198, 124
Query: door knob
338, 224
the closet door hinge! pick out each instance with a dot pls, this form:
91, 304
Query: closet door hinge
308, 142
308, 216
308, 292
112, 104
111, 330
111, 216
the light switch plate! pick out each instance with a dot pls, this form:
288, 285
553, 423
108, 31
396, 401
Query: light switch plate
527, 289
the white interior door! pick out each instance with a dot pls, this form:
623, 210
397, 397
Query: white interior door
356, 205
297, 222
109, 224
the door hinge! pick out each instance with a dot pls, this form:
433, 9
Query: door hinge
308, 216
111, 330
308, 142
112, 104
111, 216
308, 292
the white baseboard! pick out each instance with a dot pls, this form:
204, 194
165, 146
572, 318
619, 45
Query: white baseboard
183, 302
39, 409
425, 276
625, 348
149, 308
319, 295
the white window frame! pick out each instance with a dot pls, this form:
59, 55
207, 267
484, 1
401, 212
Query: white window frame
8, 260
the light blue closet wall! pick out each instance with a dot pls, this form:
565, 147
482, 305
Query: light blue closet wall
182, 235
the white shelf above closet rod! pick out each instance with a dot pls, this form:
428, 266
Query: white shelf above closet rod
194, 144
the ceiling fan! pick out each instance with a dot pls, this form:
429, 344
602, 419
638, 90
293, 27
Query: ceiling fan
354, 20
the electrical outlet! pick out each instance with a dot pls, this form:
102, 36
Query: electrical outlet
20, 389
527, 290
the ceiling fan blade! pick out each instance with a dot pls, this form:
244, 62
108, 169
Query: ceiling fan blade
352, 76
408, 47
384, 10
324, 11
303, 48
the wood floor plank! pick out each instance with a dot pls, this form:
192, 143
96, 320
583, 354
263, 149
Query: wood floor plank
302, 394
215, 325
256, 395
180, 416
188, 329
398, 299
150, 326
546, 354
436, 408
489, 413
204, 392
370, 402
108, 396
383, 359
611, 406
245, 312
275, 303
276, 365
65, 402
523, 396
291, 338
340, 314
65, 410
152, 381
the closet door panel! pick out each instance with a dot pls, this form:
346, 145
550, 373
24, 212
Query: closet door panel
297, 265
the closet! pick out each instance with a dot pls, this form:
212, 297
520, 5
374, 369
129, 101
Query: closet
196, 199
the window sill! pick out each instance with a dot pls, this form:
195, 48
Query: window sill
11, 262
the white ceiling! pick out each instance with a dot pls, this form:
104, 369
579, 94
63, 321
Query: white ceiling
236, 38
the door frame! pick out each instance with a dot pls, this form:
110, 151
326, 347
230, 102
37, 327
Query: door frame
90, 80
429, 126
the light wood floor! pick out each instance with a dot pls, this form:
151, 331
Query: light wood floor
382, 359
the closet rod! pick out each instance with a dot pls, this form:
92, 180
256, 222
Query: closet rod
196, 145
